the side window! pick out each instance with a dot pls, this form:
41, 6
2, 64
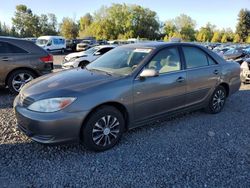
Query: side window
3, 48
9, 48
194, 57
104, 50
167, 60
211, 61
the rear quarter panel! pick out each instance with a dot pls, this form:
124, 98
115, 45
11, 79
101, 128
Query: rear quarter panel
231, 75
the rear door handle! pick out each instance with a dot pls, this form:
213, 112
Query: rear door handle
180, 79
216, 72
5, 59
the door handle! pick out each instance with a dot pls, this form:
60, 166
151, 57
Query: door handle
180, 79
5, 59
216, 72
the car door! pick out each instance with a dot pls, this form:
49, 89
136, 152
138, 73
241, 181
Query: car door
203, 74
166, 92
10, 57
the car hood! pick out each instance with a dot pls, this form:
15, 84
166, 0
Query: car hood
73, 55
63, 83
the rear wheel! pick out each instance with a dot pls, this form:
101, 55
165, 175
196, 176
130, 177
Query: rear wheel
103, 129
18, 79
217, 100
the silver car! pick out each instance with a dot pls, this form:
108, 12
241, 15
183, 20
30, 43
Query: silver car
125, 88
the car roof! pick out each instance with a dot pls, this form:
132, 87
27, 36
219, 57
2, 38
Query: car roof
158, 45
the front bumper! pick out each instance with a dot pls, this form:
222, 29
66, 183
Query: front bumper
50, 128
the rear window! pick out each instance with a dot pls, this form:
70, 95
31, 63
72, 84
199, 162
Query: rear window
10, 48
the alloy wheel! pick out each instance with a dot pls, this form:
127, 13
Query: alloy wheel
106, 130
218, 100
20, 80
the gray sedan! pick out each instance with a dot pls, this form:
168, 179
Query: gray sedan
125, 88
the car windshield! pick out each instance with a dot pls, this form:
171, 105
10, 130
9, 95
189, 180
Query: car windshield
91, 50
41, 41
121, 61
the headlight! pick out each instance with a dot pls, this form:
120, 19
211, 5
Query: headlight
52, 104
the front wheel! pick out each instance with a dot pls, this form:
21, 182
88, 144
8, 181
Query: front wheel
103, 129
217, 100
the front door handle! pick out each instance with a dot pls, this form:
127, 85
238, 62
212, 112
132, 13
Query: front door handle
216, 72
180, 79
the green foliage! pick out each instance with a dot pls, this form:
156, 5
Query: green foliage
47, 24
236, 38
25, 22
243, 26
216, 37
84, 24
206, 33
68, 28
183, 25
224, 38
248, 40
124, 21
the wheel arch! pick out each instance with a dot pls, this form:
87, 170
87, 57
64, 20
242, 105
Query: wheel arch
226, 86
17, 69
120, 107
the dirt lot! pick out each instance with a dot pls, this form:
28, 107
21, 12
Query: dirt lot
191, 150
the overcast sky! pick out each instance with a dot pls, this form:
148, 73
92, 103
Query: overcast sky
222, 13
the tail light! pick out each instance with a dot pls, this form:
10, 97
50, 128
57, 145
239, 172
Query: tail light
47, 59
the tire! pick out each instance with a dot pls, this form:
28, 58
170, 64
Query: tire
103, 129
217, 100
18, 79
83, 64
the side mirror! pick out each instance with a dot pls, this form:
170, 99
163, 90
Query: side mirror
149, 73
97, 53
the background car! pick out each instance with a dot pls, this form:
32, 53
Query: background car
52, 43
125, 88
72, 43
84, 45
21, 61
81, 59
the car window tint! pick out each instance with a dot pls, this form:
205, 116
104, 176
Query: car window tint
211, 61
194, 57
9, 48
167, 60
104, 50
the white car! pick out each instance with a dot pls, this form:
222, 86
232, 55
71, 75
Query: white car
81, 59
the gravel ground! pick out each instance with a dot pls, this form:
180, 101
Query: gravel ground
191, 150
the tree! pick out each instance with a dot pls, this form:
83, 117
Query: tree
243, 25
68, 28
206, 33
183, 25
25, 22
124, 21
237, 38
85, 21
47, 24
248, 40
216, 37
224, 38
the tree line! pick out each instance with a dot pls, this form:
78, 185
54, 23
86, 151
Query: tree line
122, 21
